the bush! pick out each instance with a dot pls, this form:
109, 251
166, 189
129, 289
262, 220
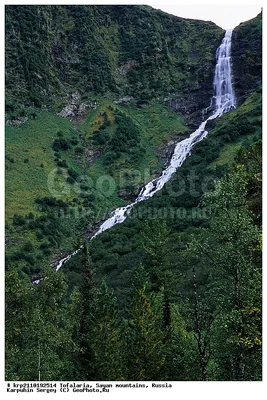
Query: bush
100, 137
28, 247
26, 269
39, 235
44, 245
61, 144
70, 180
46, 252
110, 157
48, 202
62, 164
74, 142
73, 173
18, 220
33, 115
29, 258
78, 150
30, 215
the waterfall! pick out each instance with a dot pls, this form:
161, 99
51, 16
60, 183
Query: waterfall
223, 101
223, 88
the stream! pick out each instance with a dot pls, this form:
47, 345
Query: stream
222, 102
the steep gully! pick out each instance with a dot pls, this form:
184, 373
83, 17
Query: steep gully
222, 102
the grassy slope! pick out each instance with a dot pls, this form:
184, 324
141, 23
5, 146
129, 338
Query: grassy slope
157, 125
30, 161
25, 181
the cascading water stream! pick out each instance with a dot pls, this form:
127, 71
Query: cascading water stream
223, 101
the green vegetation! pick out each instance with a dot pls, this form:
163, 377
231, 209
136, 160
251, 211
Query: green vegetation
207, 327
247, 57
121, 50
27, 181
173, 293
62, 189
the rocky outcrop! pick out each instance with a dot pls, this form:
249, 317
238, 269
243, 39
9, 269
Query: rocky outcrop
192, 107
17, 122
124, 100
126, 67
75, 110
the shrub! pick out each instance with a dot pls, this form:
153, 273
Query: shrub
110, 157
70, 180
62, 163
74, 142
29, 258
28, 247
46, 252
18, 220
32, 225
73, 173
100, 137
48, 202
26, 269
30, 215
44, 245
78, 150
61, 144
33, 115
39, 235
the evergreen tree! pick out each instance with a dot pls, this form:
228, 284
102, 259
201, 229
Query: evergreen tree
41, 348
105, 337
144, 353
83, 312
229, 250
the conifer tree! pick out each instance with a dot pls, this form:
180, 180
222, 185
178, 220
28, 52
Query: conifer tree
143, 331
105, 336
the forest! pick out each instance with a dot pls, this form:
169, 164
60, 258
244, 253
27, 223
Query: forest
174, 293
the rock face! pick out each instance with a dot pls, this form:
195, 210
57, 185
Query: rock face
192, 106
126, 67
124, 100
17, 122
76, 109
247, 57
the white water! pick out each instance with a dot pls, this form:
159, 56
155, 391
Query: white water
223, 100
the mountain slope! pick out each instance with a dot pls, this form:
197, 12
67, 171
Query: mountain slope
91, 142
121, 50
247, 57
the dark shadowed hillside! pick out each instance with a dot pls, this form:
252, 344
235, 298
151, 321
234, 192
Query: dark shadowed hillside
247, 57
